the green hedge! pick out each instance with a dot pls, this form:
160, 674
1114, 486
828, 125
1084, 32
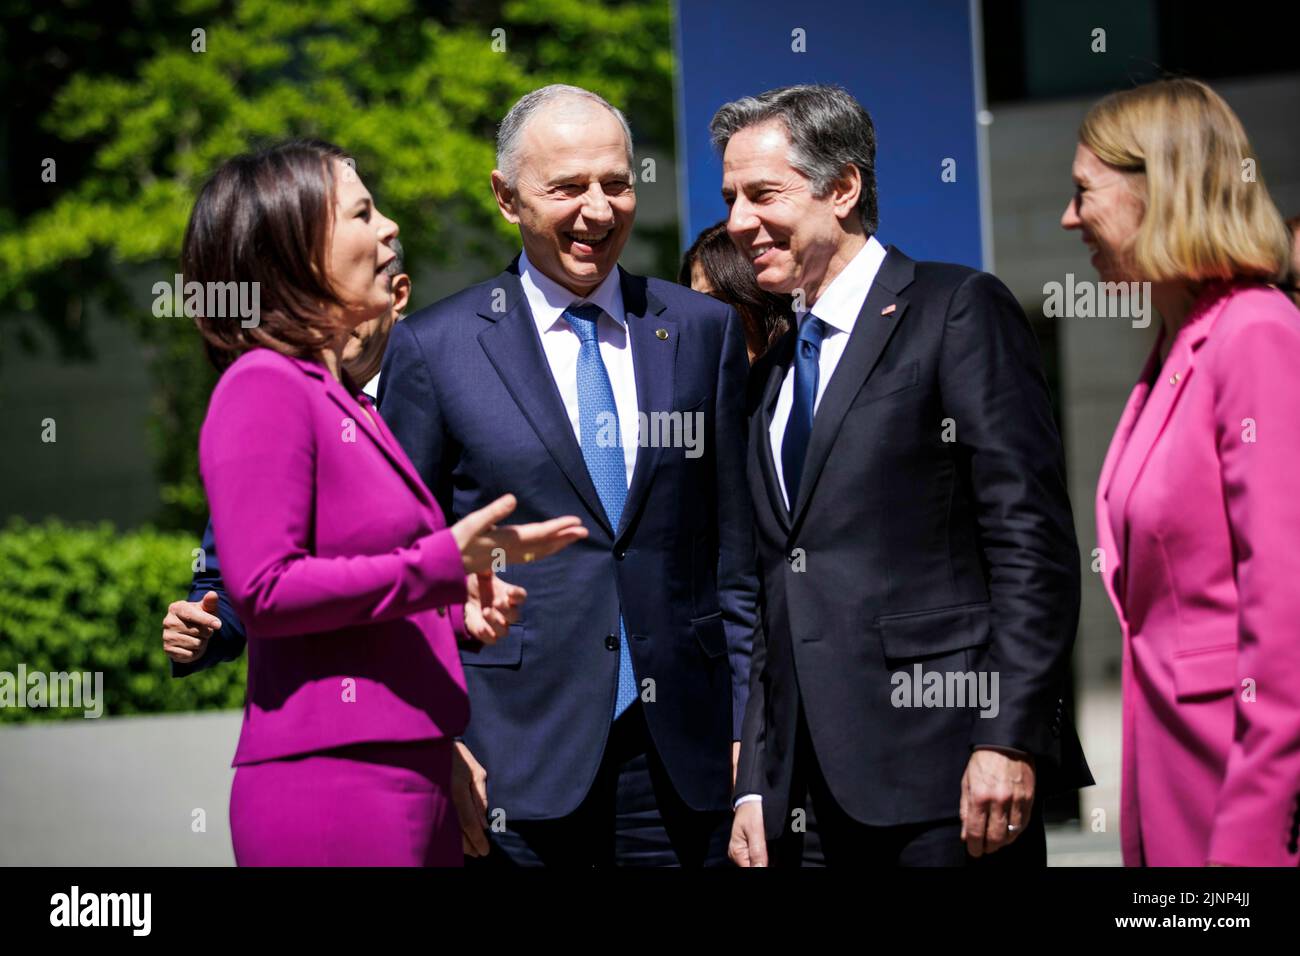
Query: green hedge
93, 599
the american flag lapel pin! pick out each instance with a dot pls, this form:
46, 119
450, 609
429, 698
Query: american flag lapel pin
889, 309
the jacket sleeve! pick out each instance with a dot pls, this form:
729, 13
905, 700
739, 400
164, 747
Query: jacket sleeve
1257, 394
737, 582
258, 455
753, 756
993, 389
227, 642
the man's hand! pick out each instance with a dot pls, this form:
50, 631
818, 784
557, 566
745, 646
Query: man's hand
492, 606
996, 790
187, 627
469, 793
748, 845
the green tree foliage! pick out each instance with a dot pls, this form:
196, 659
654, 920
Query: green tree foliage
414, 95
92, 600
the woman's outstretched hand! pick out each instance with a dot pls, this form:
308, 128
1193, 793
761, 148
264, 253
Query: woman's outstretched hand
485, 547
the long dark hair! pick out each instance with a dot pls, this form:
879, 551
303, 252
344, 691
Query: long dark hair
765, 315
267, 217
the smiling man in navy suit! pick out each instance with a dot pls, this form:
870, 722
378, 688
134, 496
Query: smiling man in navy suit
911, 519
604, 726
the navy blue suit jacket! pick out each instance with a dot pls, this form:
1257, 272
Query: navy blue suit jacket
227, 642
468, 392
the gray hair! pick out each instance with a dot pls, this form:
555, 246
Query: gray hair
512, 126
828, 130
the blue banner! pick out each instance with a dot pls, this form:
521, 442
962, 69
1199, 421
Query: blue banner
914, 65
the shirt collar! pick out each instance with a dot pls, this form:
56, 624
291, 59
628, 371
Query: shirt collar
548, 299
840, 304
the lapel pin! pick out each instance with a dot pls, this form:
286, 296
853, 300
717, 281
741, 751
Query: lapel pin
661, 334
889, 309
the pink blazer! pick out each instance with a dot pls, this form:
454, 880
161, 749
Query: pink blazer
1198, 514
337, 559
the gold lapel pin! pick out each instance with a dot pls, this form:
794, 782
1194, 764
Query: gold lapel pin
889, 309
661, 334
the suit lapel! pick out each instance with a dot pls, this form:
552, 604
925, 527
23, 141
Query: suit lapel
515, 351
1168, 388
1123, 431
1136, 399
782, 353
871, 333
1160, 403
654, 361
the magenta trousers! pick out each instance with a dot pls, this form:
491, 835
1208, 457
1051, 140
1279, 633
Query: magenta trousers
377, 804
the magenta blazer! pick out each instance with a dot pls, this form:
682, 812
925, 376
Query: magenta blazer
337, 559
1198, 516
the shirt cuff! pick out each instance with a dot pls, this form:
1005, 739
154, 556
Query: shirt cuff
747, 798
1009, 751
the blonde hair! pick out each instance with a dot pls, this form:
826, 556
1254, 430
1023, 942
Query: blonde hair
1203, 219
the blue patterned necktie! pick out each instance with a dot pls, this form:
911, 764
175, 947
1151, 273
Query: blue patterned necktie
794, 446
605, 462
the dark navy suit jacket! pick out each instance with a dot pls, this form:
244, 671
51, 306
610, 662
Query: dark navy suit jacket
227, 642
932, 534
468, 392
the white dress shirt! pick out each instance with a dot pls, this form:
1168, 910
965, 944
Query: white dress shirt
838, 307
548, 299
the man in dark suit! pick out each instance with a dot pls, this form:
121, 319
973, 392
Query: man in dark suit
919, 577
606, 721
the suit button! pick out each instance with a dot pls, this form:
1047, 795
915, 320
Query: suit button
620, 554
611, 642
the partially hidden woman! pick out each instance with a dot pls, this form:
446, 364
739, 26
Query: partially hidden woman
1198, 504
335, 555
713, 265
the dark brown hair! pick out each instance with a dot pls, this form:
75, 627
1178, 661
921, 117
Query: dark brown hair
765, 315
267, 217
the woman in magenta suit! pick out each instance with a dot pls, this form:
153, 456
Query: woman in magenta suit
335, 555
1198, 505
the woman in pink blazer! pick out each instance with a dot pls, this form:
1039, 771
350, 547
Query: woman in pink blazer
335, 554
1198, 504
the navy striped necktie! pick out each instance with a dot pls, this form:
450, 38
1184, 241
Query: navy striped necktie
794, 446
